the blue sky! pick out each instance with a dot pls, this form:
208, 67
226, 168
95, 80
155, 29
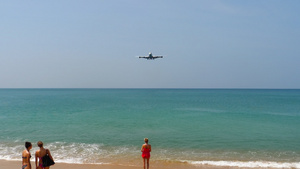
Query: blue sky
94, 44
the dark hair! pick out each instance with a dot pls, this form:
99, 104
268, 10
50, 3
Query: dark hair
27, 144
40, 143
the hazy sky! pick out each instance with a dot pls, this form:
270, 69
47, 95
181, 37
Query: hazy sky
94, 44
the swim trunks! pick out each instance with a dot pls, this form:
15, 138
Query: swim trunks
146, 153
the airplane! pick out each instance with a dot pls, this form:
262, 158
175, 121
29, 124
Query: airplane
150, 56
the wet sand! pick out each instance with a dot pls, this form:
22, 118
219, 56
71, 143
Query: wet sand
17, 164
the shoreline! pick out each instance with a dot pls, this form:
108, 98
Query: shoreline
12, 164
7, 164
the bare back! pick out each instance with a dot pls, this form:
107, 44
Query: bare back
41, 153
26, 157
38, 157
146, 146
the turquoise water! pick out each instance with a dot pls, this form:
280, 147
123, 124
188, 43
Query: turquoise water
244, 128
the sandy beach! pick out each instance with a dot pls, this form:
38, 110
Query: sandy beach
17, 164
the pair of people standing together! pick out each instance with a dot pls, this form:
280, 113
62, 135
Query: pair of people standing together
39, 154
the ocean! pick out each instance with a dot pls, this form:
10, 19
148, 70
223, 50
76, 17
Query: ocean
218, 127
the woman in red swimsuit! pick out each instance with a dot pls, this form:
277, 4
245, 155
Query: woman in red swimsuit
146, 149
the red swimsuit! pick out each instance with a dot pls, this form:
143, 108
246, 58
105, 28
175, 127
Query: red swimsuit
146, 153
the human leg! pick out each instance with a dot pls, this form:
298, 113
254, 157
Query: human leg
144, 160
148, 163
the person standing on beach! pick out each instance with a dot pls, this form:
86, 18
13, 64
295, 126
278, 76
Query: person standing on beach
39, 154
146, 149
26, 156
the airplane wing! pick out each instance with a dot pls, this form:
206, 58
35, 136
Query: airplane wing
150, 58
142, 56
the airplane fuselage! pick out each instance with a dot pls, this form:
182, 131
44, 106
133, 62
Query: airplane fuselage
150, 55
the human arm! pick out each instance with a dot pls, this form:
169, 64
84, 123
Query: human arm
49, 154
143, 146
36, 157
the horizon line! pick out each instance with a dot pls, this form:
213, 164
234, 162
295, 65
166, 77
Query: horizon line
153, 88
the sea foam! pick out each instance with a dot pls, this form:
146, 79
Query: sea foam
248, 164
